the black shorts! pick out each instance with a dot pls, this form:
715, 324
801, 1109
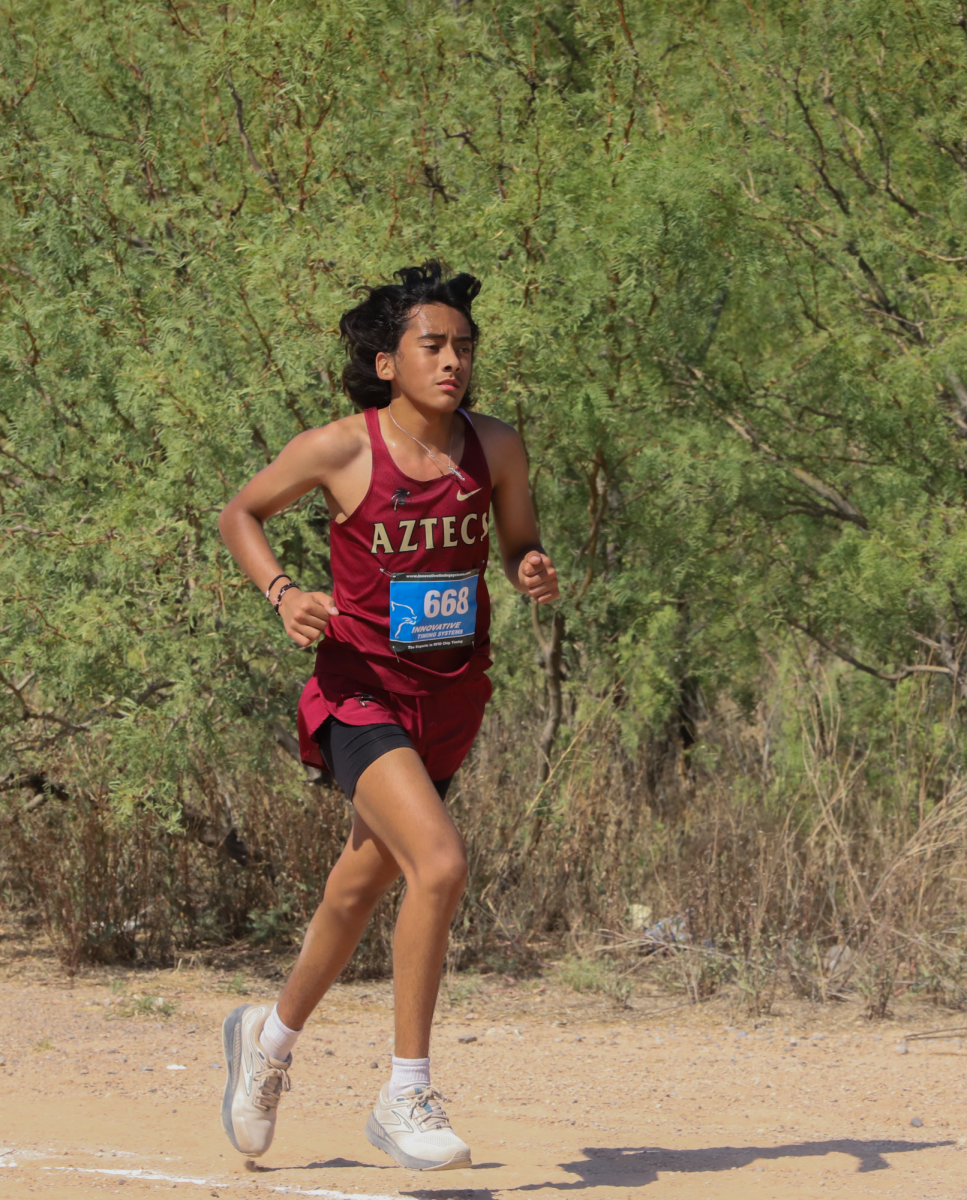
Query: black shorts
350, 749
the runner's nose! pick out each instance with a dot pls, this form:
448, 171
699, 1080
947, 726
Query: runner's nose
450, 359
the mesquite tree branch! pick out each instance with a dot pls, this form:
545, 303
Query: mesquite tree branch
552, 654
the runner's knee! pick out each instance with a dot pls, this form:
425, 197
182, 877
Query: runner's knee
354, 895
444, 876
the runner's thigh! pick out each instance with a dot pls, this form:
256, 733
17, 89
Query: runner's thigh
399, 803
366, 862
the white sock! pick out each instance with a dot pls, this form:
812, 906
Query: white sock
277, 1039
406, 1072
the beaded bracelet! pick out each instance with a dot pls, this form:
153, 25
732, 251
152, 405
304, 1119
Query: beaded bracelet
268, 590
282, 592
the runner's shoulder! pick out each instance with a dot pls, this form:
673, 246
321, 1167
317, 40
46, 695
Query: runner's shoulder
336, 445
493, 432
501, 444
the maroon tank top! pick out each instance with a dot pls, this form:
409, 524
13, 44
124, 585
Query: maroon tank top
403, 528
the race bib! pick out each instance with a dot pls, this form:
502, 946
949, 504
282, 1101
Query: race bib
432, 610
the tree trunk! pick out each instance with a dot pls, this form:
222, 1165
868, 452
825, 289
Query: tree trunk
551, 649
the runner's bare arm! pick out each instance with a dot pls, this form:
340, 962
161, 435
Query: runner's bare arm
316, 458
526, 565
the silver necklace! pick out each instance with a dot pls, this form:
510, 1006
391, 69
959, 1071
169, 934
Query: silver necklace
443, 471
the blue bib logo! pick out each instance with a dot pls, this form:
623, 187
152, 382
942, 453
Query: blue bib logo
432, 610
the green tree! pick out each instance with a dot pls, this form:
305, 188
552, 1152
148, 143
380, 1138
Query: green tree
723, 261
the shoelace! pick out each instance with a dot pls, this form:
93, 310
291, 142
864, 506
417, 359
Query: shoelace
426, 1108
272, 1082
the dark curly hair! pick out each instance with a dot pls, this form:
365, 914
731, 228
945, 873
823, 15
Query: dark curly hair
376, 325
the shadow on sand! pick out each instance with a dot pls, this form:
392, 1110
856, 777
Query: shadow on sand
631, 1166
636, 1166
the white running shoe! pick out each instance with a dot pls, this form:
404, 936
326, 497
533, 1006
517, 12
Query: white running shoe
413, 1129
255, 1081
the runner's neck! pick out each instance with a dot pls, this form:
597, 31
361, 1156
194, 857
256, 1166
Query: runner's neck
413, 454
434, 429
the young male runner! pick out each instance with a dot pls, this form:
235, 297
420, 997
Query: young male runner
399, 688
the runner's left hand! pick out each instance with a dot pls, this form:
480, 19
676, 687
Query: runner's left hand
538, 578
305, 615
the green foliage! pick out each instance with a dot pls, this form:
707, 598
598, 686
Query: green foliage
723, 253
594, 975
236, 985
145, 1006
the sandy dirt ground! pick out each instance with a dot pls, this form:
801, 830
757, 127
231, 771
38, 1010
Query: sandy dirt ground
112, 1085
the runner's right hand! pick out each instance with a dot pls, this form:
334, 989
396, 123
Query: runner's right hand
305, 615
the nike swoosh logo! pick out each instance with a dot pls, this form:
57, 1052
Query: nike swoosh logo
467, 495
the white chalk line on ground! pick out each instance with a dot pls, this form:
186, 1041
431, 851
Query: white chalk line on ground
292, 1191
161, 1177
140, 1173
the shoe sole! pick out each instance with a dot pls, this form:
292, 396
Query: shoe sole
232, 1047
376, 1136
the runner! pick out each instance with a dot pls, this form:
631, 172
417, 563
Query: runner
399, 687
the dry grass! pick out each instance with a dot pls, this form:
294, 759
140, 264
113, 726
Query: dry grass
794, 848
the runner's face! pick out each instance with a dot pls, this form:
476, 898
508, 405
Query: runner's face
434, 360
